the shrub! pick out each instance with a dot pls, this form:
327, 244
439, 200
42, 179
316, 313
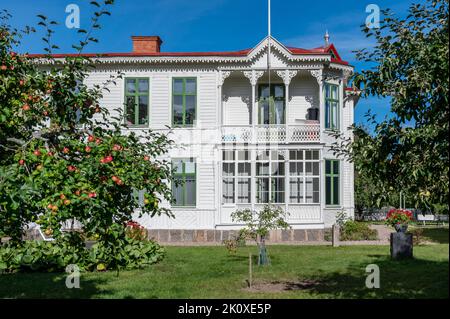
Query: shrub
54, 256
352, 230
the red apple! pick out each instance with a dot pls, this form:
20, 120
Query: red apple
25, 107
91, 138
37, 152
87, 149
66, 150
21, 162
3, 67
92, 195
146, 158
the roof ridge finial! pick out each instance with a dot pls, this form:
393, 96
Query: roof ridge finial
327, 38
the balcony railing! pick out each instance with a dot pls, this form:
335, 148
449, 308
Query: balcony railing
308, 132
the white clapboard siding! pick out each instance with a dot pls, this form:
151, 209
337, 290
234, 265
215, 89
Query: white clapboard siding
207, 100
160, 101
237, 101
303, 94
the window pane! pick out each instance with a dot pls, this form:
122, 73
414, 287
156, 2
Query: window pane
277, 168
328, 190
228, 155
334, 114
327, 91
191, 86
315, 155
327, 114
308, 154
189, 167
334, 92
178, 109
177, 165
264, 115
178, 86
279, 91
309, 190
278, 190
244, 169
177, 190
228, 169
263, 156
315, 168
228, 190
262, 190
296, 168
296, 190
243, 155
279, 112
143, 86
131, 109
262, 169
131, 86
190, 191
336, 190
143, 109
335, 167
190, 109
308, 168
316, 193
244, 190
292, 155
264, 93
327, 167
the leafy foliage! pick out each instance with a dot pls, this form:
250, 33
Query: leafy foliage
408, 151
352, 230
64, 158
124, 253
259, 223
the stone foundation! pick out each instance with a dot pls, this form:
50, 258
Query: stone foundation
214, 236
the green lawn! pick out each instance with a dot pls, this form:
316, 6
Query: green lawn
211, 272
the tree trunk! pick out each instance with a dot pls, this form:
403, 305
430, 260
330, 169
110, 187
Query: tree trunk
263, 258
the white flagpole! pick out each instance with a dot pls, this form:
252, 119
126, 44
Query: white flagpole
268, 46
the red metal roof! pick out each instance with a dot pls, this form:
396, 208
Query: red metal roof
242, 53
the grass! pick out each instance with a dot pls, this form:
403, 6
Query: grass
211, 272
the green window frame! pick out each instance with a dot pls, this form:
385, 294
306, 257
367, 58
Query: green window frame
137, 101
273, 101
332, 182
184, 99
332, 103
187, 197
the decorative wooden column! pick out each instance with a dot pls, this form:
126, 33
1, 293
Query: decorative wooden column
287, 76
318, 75
222, 76
253, 76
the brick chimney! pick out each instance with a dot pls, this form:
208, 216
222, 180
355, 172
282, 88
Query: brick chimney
146, 44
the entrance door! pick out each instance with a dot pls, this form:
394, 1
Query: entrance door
271, 104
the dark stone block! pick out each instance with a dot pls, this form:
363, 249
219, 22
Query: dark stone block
188, 235
312, 234
299, 235
200, 236
286, 235
401, 245
163, 235
175, 235
152, 234
225, 235
210, 235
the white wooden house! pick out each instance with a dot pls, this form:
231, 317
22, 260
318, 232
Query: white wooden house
246, 134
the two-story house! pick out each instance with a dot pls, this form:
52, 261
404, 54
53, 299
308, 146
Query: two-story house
250, 126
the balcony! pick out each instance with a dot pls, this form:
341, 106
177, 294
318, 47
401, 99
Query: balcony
307, 132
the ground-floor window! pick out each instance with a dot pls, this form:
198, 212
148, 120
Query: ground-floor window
277, 175
184, 182
332, 182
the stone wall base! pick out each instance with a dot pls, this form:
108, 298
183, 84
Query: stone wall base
186, 236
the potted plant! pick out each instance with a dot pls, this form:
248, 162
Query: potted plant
399, 219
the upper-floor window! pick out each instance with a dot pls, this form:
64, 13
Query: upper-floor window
184, 182
184, 101
136, 101
331, 106
271, 104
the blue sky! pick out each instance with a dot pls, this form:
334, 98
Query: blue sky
213, 25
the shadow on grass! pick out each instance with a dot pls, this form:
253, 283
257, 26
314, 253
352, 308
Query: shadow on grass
405, 279
49, 285
438, 235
